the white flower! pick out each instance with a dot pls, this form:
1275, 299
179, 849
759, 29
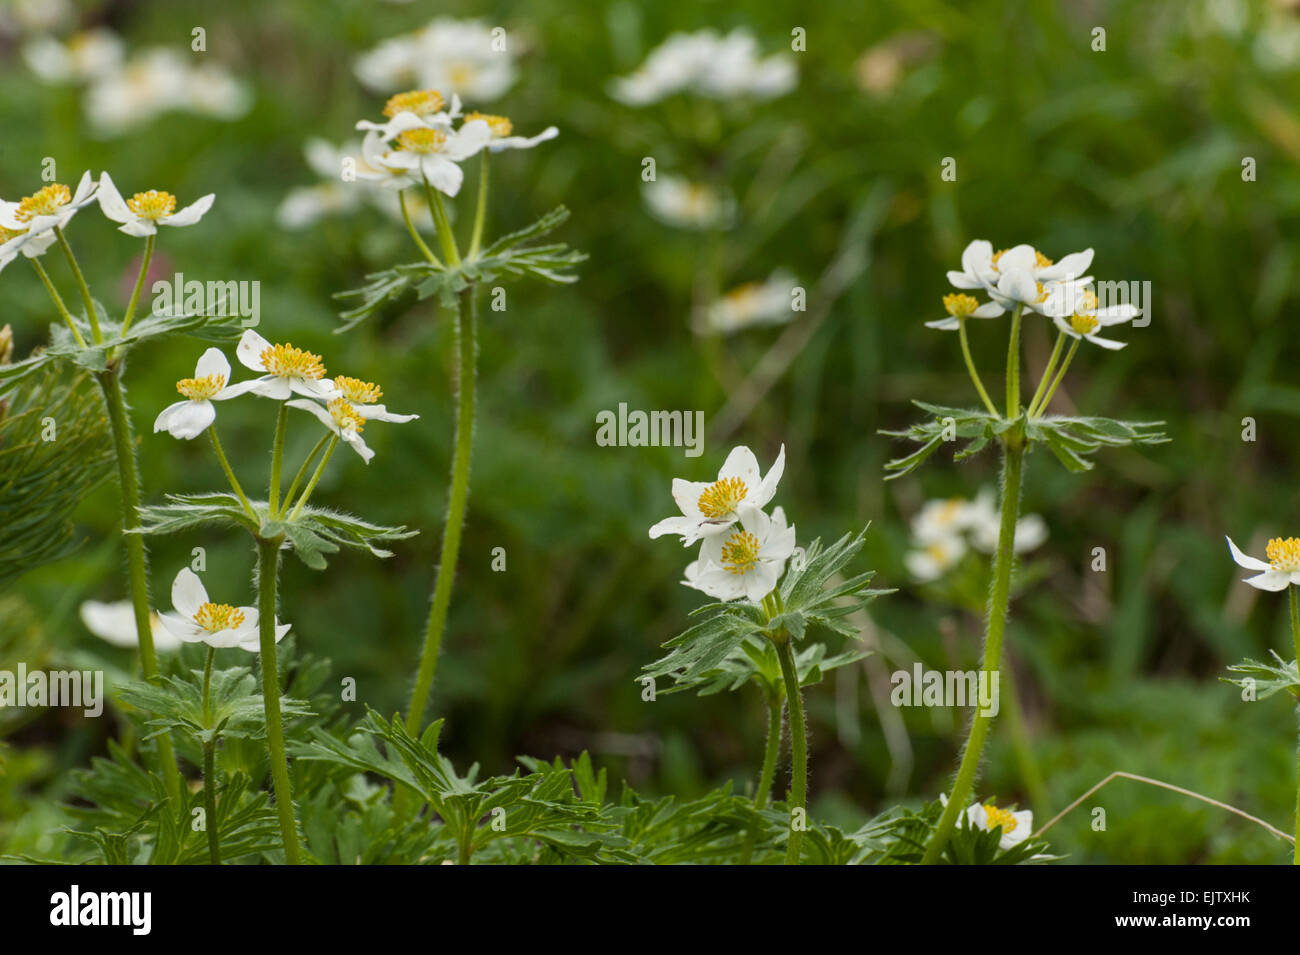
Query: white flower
347, 414
709, 509
1016, 826
501, 129
34, 16
942, 519
687, 205
708, 64
144, 212
286, 370
747, 561
115, 623
755, 303
429, 153
960, 306
48, 208
198, 620
85, 56
1019, 275
190, 418
984, 524
936, 557
13, 241
158, 81
454, 56
411, 109
1282, 568
1074, 311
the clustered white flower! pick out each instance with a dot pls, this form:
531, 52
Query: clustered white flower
944, 529
459, 57
756, 303
742, 550
678, 202
124, 94
709, 64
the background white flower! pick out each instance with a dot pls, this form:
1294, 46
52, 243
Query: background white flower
451, 56
85, 56
708, 64
688, 205
755, 303
115, 623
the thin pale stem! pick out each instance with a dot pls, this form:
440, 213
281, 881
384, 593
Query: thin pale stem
210, 768
268, 566
311, 485
306, 465
277, 459
445, 235
457, 498
58, 301
91, 315
230, 474
1013, 365
798, 799
1295, 641
136, 559
1047, 373
139, 283
999, 599
970, 367
480, 212
1056, 383
410, 227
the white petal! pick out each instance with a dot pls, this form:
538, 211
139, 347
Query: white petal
443, 174
683, 526
767, 489
250, 348
1244, 560
988, 310
188, 419
1270, 580
270, 387
212, 362
742, 464
949, 324
111, 201
321, 414
976, 259
188, 593
963, 281
1105, 342
357, 444
191, 213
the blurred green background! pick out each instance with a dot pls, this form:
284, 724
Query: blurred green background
1135, 151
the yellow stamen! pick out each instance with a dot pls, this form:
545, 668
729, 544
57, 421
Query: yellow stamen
345, 416
152, 204
285, 361
1002, 817
357, 391
1084, 324
1284, 554
422, 140
200, 389
499, 125
217, 617
1041, 261
740, 552
960, 305
45, 202
8, 235
721, 497
419, 102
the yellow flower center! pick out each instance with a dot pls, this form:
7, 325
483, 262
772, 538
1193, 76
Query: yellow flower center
1084, 324
357, 391
499, 125
960, 305
285, 361
1284, 554
345, 416
200, 389
740, 552
950, 510
938, 553
1041, 261
217, 617
8, 235
1000, 817
721, 497
460, 74
1089, 301
152, 204
46, 202
419, 102
422, 140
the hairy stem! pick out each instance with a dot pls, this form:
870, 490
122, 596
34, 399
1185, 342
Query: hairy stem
137, 564
999, 597
457, 498
798, 750
139, 283
1295, 640
268, 567
771, 753
210, 767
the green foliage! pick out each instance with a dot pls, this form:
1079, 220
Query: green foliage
235, 707
1267, 678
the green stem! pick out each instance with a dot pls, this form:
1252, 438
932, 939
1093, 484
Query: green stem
410, 227
480, 213
58, 301
230, 474
457, 497
771, 753
798, 749
999, 598
277, 460
1013, 365
91, 315
311, 485
306, 464
139, 283
136, 560
1295, 640
970, 367
210, 767
445, 235
1056, 383
268, 560
1047, 372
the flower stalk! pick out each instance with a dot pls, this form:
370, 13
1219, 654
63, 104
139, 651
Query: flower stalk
1295, 641
145, 259
268, 566
798, 798
209, 766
